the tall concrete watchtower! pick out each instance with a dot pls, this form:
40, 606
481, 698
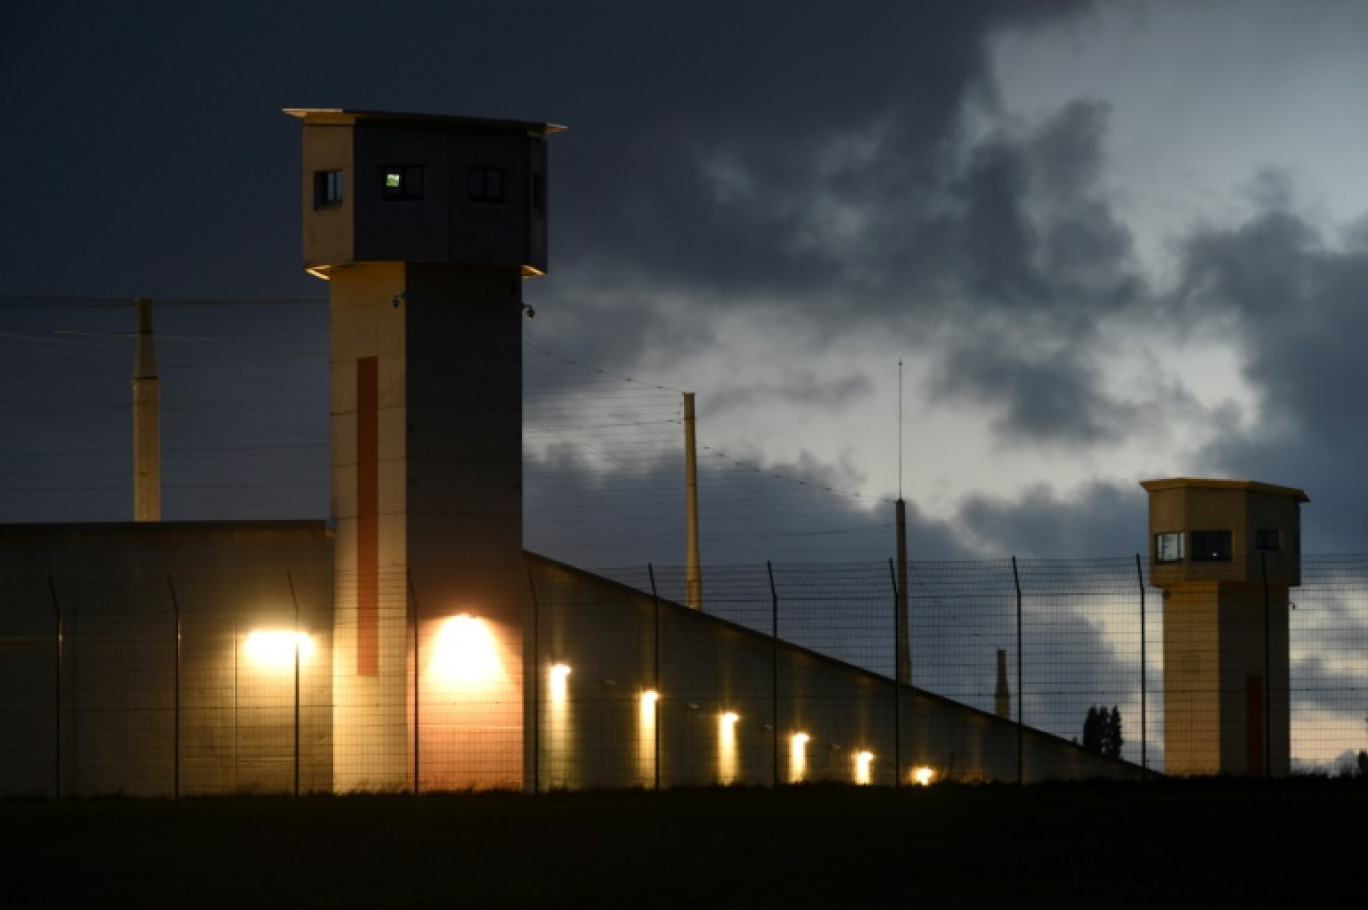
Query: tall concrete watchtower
1226, 554
424, 227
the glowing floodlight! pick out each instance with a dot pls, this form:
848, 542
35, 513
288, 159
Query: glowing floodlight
863, 761
798, 757
465, 652
560, 687
646, 737
923, 775
726, 747
275, 648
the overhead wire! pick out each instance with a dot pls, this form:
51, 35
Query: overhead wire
244, 407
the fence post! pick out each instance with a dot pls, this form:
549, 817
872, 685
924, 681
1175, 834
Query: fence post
535, 673
899, 619
1268, 679
294, 600
1021, 693
774, 677
655, 671
417, 681
1144, 677
57, 706
175, 606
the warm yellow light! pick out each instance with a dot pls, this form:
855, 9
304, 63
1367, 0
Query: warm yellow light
863, 761
923, 775
559, 687
275, 648
798, 757
726, 747
465, 652
646, 737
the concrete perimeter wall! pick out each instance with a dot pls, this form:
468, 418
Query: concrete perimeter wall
119, 704
599, 727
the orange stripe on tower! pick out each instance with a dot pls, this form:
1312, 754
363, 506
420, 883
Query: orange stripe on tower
367, 517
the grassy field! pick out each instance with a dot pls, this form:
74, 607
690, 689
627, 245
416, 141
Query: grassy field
1222, 843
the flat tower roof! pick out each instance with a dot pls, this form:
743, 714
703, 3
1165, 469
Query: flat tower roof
1248, 486
337, 116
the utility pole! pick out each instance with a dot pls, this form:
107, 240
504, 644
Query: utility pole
146, 422
693, 573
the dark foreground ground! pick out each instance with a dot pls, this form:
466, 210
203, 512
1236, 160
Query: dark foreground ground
1214, 843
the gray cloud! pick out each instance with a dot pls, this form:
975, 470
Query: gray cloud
1101, 519
1053, 396
1292, 300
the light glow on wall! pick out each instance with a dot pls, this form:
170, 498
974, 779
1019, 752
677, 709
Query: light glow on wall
798, 757
560, 688
646, 737
726, 747
559, 764
274, 649
863, 762
466, 653
923, 775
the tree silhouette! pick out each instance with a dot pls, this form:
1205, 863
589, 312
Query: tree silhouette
1102, 731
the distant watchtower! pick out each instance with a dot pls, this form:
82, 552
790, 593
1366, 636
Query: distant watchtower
1226, 554
424, 227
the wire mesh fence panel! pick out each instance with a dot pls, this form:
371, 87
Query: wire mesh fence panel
299, 680
960, 615
1081, 643
1328, 632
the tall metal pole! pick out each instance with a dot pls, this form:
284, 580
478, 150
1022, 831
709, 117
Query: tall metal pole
904, 639
693, 577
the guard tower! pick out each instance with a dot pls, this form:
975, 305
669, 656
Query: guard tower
1226, 554
424, 227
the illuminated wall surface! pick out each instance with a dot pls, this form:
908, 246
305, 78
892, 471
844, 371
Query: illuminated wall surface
221, 709
627, 691
652, 691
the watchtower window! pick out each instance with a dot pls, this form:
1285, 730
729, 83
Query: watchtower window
1211, 546
327, 188
1266, 540
1168, 547
402, 181
487, 184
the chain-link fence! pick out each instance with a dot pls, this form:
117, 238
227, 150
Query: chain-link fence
182, 684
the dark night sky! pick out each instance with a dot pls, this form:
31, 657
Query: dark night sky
1108, 242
